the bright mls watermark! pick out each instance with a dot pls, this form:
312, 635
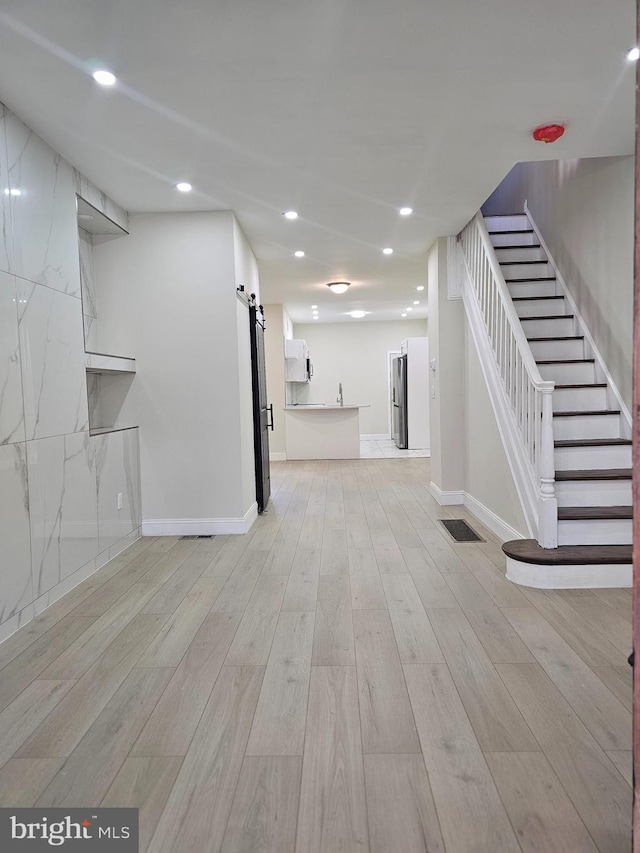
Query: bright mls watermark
80, 830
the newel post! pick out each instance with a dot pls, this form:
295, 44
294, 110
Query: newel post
547, 502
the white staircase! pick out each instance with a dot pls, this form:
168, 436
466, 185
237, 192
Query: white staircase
578, 446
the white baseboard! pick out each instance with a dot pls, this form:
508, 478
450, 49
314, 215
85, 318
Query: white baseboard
569, 577
375, 436
200, 526
276, 456
446, 498
495, 524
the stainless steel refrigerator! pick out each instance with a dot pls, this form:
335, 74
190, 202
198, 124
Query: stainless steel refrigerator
399, 431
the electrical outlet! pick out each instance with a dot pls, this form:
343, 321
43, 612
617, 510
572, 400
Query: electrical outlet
119, 500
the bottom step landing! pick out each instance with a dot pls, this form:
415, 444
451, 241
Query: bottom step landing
568, 566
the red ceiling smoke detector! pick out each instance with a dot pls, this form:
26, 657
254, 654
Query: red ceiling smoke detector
548, 132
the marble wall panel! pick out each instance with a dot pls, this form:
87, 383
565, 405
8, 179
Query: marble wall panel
44, 217
63, 507
87, 274
15, 552
118, 472
100, 200
6, 240
11, 406
52, 356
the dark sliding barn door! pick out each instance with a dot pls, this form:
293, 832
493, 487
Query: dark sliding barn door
261, 422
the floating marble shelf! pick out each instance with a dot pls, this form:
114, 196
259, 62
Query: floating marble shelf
100, 363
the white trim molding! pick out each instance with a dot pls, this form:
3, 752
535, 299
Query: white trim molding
446, 498
200, 526
277, 456
493, 522
569, 577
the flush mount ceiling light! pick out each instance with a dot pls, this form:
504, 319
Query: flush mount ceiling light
357, 315
634, 54
420, 287
338, 286
416, 302
405, 211
104, 78
299, 254
290, 214
387, 251
184, 187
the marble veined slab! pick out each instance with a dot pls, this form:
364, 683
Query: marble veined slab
43, 214
118, 474
63, 505
87, 273
11, 408
100, 200
15, 553
52, 354
6, 241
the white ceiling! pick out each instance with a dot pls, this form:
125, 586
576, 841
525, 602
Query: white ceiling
344, 110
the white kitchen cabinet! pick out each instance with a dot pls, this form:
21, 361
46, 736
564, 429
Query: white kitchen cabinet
297, 362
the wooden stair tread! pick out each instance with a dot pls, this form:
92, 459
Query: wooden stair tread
592, 442
530, 298
513, 230
578, 513
547, 316
583, 385
567, 361
528, 551
578, 414
594, 474
559, 338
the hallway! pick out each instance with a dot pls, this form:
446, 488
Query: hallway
342, 678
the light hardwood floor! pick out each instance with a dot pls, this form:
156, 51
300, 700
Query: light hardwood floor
342, 678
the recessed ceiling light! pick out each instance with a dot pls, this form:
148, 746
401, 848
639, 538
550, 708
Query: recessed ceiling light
416, 302
420, 287
409, 308
315, 312
634, 54
290, 214
299, 253
406, 211
316, 317
184, 187
13, 191
338, 286
403, 315
105, 78
314, 306
357, 315
387, 251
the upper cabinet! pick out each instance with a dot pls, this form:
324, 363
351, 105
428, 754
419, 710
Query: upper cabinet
297, 361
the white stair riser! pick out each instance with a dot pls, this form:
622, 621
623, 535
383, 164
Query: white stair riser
579, 399
588, 458
547, 350
518, 238
589, 426
517, 222
530, 253
538, 307
595, 532
568, 374
524, 270
593, 492
556, 327
532, 288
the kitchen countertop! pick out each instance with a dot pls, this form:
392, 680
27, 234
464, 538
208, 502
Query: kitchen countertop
308, 407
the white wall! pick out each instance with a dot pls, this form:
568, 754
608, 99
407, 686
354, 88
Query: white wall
584, 209
356, 355
488, 477
274, 317
168, 298
59, 520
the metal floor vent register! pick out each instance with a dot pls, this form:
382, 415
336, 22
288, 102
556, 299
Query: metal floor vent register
210, 536
460, 530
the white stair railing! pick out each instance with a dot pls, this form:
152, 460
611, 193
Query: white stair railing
529, 396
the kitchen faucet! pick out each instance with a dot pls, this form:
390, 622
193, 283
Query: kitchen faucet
339, 397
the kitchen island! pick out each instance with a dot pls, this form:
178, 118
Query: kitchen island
323, 431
